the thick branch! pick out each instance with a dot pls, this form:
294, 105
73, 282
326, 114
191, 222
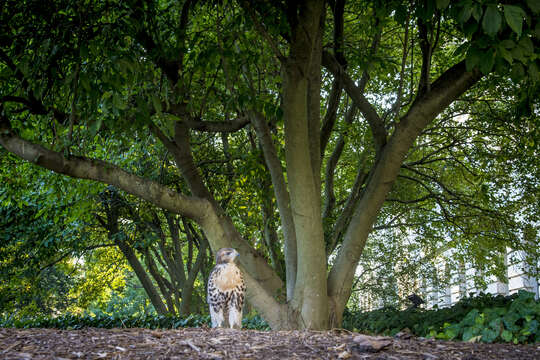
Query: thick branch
338, 9
169, 67
355, 92
331, 113
218, 126
181, 150
93, 169
330, 198
454, 82
348, 208
282, 196
329, 120
427, 50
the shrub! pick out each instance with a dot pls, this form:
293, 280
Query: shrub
71, 321
485, 318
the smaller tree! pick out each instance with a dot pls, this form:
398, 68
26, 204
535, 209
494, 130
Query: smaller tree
166, 263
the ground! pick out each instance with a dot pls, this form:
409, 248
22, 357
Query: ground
205, 343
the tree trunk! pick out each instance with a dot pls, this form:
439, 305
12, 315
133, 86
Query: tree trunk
143, 277
300, 77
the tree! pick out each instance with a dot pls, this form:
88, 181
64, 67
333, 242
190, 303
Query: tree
174, 286
80, 74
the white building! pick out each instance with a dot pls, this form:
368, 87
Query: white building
462, 282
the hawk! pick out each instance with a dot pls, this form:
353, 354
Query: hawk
226, 290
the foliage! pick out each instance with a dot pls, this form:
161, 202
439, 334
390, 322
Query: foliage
126, 301
35, 277
71, 321
485, 318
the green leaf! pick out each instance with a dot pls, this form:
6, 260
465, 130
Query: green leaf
533, 73
474, 57
83, 51
487, 61
489, 335
506, 55
526, 44
517, 53
496, 324
95, 126
470, 28
534, 5
468, 334
470, 318
508, 44
451, 332
157, 103
118, 102
442, 4
510, 318
85, 81
514, 17
465, 13
492, 20
477, 12
506, 336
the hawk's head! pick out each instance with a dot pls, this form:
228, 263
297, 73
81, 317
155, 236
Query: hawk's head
226, 255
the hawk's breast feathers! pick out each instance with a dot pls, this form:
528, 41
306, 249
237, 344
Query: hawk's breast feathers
227, 277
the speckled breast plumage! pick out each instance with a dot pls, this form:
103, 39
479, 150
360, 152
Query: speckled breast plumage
226, 287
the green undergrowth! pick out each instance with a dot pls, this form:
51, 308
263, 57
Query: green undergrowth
485, 318
73, 322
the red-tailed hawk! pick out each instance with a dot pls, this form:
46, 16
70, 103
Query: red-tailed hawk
226, 290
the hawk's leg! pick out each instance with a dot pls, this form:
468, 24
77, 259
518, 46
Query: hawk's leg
235, 318
235, 311
217, 316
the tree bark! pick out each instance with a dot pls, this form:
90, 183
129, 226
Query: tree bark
143, 277
309, 300
282, 198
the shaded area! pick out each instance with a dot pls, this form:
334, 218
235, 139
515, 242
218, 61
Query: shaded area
205, 343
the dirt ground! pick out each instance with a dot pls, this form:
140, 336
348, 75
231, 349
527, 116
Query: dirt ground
204, 343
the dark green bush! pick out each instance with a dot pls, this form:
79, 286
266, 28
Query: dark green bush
485, 318
70, 321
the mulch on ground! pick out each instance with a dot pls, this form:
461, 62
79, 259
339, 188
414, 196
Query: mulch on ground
205, 343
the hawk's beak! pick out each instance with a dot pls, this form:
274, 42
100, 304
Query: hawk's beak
236, 254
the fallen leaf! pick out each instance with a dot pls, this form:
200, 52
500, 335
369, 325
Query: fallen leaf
344, 355
339, 347
365, 343
475, 339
